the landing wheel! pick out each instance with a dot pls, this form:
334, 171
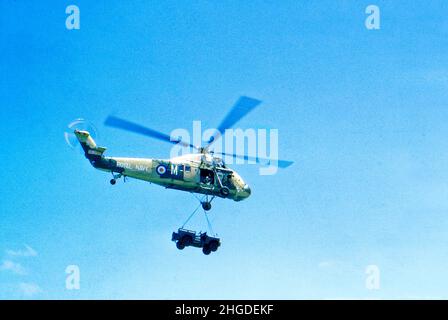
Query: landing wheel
206, 250
113, 181
180, 245
206, 206
186, 241
224, 191
213, 245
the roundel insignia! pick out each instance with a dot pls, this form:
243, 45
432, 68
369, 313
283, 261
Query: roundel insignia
161, 169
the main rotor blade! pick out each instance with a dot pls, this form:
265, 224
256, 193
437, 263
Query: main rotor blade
119, 123
242, 107
280, 163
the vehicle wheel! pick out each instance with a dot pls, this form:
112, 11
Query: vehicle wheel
206, 206
224, 191
213, 245
113, 181
206, 250
180, 245
186, 240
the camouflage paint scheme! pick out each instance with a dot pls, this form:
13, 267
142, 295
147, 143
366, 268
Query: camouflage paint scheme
181, 173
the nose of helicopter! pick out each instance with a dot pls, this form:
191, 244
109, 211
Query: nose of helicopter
246, 190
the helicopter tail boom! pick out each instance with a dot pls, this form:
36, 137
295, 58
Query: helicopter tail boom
89, 146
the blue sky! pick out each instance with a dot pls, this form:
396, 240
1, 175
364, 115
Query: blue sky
362, 113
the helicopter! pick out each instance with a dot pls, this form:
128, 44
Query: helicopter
197, 173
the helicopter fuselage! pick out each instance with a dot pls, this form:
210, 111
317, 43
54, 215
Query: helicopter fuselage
197, 173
